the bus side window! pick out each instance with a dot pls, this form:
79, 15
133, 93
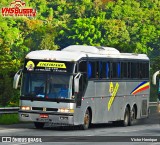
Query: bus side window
146, 70
124, 69
98, 69
92, 69
134, 70
102, 71
107, 70
129, 70
89, 70
83, 66
140, 70
143, 70
118, 69
114, 70
83, 69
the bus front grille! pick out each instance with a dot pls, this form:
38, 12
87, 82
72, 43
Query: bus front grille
47, 109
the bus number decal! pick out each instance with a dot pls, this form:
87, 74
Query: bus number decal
113, 90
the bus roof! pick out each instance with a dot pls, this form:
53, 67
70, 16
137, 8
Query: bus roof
76, 52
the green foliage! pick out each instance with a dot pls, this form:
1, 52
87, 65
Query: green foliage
6, 119
128, 25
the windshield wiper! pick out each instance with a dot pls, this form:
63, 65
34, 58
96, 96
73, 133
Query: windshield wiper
39, 91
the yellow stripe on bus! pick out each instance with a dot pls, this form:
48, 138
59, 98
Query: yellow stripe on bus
113, 96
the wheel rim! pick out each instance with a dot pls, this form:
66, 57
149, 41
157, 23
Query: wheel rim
86, 119
133, 116
126, 119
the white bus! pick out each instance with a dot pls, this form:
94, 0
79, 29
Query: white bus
83, 85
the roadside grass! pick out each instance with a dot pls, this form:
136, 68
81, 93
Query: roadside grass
6, 119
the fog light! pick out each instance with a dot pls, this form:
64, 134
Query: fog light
63, 118
24, 115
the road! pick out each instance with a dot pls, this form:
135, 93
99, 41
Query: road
145, 132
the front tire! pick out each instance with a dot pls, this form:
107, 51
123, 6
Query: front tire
39, 125
87, 120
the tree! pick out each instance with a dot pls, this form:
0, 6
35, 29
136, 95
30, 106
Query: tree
128, 25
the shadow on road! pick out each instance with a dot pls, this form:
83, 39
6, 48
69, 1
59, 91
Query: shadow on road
153, 118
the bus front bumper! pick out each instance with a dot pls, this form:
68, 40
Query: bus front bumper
47, 117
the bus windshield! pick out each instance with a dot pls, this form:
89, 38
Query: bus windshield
46, 85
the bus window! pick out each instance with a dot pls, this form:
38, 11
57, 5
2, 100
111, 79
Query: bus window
119, 69
124, 69
115, 70
102, 71
129, 70
83, 66
108, 70
143, 70
146, 70
111, 70
92, 69
134, 70
89, 68
140, 72
98, 69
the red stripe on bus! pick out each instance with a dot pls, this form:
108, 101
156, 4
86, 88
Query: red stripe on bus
142, 89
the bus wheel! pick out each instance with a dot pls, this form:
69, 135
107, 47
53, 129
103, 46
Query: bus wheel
87, 119
132, 116
125, 122
39, 125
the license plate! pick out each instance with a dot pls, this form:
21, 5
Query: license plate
43, 120
44, 116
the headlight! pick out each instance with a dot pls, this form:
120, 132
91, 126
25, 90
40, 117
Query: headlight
25, 108
65, 110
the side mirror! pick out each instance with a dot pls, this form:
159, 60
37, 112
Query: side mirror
76, 82
16, 79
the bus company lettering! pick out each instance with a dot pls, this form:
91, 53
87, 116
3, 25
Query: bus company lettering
51, 64
113, 94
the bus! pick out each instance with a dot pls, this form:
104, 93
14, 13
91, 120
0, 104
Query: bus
83, 85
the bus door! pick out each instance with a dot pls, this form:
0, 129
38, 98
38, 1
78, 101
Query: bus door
79, 87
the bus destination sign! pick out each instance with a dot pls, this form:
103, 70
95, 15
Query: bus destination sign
54, 66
